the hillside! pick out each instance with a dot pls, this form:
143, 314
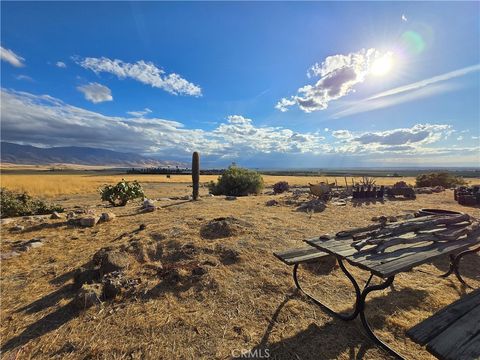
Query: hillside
27, 154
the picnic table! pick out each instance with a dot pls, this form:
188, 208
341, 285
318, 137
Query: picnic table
453, 333
385, 265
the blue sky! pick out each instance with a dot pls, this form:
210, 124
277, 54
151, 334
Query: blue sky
263, 84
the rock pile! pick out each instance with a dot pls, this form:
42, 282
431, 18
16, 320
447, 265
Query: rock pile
223, 227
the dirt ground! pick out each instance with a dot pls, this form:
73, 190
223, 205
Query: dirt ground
248, 303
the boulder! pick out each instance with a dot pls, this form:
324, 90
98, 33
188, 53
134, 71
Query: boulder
108, 216
272, 202
89, 221
87, 296
55, 216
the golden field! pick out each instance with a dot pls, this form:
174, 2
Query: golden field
249, 304
53, 184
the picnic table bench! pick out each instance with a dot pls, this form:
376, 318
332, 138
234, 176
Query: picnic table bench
385, 265
453, 333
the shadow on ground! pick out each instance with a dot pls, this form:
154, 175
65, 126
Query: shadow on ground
322, 342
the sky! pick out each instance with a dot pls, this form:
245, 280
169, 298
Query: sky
262, 84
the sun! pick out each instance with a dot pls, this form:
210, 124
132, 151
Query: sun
383, 65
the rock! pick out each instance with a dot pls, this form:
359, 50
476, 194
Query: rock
210, 195
55, 215
272, 202
87, 296
89, 221
424, 190
71, 215
18, 228
186, 197
148, 209
339, 203
108, 216
116, 283
8, 255
230, 198
114, 261
148, 203
35, 244
142, 227
314, 205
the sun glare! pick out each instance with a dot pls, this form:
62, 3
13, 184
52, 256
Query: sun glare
382, 66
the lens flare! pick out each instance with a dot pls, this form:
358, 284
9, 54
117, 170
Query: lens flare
413, 41
383, 65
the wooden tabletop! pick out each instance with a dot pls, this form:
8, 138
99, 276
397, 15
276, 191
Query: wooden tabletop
396, 259
453, 333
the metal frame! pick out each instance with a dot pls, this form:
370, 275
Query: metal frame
360, 303
455, 262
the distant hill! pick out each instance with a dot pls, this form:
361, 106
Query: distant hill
31, 155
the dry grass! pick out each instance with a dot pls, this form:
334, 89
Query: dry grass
254, 305
54, 185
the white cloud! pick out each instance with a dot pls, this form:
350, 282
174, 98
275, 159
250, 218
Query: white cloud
96, 92
426, 82
10, 57
404, 18
140, 113
145, 72
44, 120
326, 129
406, 140
338, 76
60, 64
24, 78
460, 138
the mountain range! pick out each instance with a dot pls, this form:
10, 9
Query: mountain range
31, 155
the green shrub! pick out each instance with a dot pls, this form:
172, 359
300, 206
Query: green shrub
236, 181
438, 179
22, 204
120, 194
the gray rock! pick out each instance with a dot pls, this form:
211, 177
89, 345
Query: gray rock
339, 203
230, 198
89, 221
55, 215
147, 203
108, 216
272, 202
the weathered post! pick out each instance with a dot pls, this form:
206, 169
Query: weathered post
195, 174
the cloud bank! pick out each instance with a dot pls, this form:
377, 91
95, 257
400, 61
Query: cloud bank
144, 72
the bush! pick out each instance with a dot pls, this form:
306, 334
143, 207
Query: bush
236, 181
121, 193
22, 204
438, 179
281, 187
400, 184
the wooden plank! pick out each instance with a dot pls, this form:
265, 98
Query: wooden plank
437, 323
295, 256
408, 262
460, 334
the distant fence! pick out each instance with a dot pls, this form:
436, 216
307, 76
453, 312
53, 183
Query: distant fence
172, 171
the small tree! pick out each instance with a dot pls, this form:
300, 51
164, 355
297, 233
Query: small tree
236, 181
120, 194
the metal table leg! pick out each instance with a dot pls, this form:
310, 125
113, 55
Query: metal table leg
363, 318
346, 317
455, 262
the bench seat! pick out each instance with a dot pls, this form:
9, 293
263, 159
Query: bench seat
300, 255
454, 331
